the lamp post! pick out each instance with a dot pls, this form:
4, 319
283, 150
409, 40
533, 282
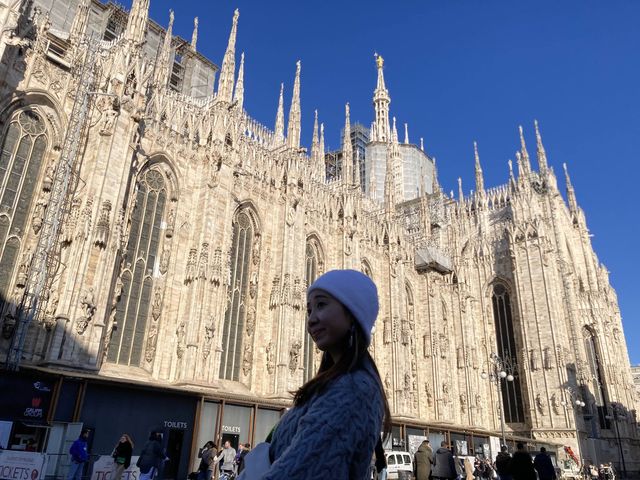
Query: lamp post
500, 369
576, 403
615, 409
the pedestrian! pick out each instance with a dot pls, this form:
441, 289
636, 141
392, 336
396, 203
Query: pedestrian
335, 422
544, 466
246, 448
422, 461
443, 464
468, 469
503, 460
380, 461
79, 455
121, 456
521, 466
207, 460
151, 458
228, 458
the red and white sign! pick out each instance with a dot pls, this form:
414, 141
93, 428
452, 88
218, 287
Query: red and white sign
17, 465
103, 467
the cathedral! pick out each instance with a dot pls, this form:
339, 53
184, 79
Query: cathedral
156, 243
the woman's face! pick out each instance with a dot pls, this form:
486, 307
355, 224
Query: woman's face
328, 322
123, 439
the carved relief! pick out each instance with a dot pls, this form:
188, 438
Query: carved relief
274, 298
181, 333
102, 227
88, 306
271, 364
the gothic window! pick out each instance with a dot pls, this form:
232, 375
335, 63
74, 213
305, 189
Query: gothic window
512, 404
312, 263
595, 385
141, 258
366, 269
241, 247
21, 159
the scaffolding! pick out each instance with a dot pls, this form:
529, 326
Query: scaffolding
45, 261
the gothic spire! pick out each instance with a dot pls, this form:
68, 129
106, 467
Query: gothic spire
347, 149
390, 178
478, 168
542, 155
406, 133
460, 192
137, 22
293, 128
571, 194
279, 131
394, 135
80, 20
381, 101
238, 94
164, 65
356, 170
422, 144
526, 164
315, 139
194, 35
435, 186
321, 148
227, 72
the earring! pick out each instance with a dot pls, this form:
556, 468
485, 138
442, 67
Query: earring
351, 335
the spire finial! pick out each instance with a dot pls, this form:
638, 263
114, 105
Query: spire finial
293, 128
478, 170
460, 193
163, 70
571, 194
322, 144
227, 72
279, 130
194, 35
381, 101
526, 164
422, 144
394, 135
542, 155
347, 149
406, 134
238, 94
315, 137
137, 22
79, 25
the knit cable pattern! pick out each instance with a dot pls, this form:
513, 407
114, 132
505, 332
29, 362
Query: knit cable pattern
333, 435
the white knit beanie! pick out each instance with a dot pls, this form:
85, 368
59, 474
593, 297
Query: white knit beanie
355, 291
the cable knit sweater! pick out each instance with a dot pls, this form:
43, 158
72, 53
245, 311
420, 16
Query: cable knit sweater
333, 435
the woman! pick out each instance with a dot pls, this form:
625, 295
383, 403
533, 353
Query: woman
207, 455
151, 457
336, 418
121, 456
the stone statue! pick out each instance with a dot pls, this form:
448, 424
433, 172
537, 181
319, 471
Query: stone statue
294, 356
463, 403
270, 358
181, 333
539, 404
535, 365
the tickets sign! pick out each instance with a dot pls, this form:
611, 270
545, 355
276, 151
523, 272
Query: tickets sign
103, 467
18, 465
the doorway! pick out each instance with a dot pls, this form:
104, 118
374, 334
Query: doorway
233, 438
173, 450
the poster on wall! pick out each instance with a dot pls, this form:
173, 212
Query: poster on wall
19, 465
495, 446
414, 442
5, 434
461, 447
104, 465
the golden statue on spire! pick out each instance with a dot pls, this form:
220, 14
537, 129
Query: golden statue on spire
379, 60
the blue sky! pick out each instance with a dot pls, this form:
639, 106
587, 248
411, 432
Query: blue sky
459, 71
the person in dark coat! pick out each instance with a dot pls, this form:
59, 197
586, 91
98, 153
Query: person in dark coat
443, 464
521, 466
121, 456
503, 459
422, 461
544, 466
151, 457
243, 453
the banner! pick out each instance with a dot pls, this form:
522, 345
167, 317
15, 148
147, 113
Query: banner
18, 465
104, 465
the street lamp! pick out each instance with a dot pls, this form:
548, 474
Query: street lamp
576, 402
500, 369
616, 410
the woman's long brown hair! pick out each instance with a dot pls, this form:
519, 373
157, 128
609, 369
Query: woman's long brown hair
353, 358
